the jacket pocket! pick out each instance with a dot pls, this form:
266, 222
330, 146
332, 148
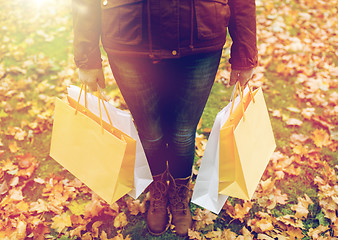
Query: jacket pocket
122, 21
212, 17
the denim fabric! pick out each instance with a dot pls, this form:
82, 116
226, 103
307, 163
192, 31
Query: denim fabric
166, 100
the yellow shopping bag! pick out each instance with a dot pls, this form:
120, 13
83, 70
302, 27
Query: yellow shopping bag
95, 152
246, 144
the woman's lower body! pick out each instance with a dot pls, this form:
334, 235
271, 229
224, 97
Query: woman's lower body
166, 100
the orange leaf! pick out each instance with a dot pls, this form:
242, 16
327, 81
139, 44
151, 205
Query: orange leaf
135, 206
39, 206
204, 217
295, 233
195, 235
320, 138
93, 208
302, 207
315, 233
95, 228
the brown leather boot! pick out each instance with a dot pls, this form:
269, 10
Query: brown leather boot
179, 198
157, 215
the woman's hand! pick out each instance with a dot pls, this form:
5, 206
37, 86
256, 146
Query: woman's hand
92, 77
243, 76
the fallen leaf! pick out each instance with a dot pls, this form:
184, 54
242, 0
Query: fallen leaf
320, 138
121, 220
104, 236
40, 231
93, 208
203, 218
195, 235
8, 165
135, 206
228, 235
262, 236
120, 237
13, 147
294, 122
315, 233
95, 228
298, 138
77, 207
295, 233
302, 207
22, 206
60, 222
20, 232
240, 211
16, 194
40, 206
3, 188
25, 161
214, 234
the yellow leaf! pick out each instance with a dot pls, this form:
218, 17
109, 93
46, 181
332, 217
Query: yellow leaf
320, 138
104, 236
13, 147
7, 165
120, 237
77, 207
22, 206
120, 220
60, 222
214, 234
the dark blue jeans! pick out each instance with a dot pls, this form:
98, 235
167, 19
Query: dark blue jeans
166, 100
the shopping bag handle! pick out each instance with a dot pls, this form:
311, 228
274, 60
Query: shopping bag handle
238, 89
100, 98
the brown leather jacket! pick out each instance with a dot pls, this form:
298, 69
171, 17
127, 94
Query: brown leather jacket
164, 29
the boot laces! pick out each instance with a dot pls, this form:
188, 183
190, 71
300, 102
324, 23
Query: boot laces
178, 199
158, 192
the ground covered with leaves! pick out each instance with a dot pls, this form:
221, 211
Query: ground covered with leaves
297, 197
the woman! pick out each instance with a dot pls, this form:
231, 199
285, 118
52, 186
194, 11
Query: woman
164, 55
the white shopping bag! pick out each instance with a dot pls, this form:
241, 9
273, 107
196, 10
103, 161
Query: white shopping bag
123, 121
206, 192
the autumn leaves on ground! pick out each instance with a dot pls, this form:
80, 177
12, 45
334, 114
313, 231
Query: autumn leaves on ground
297, 197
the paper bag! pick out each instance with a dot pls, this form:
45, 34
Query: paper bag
246, 145
93, 153
206, 192
237, 152
123, 121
